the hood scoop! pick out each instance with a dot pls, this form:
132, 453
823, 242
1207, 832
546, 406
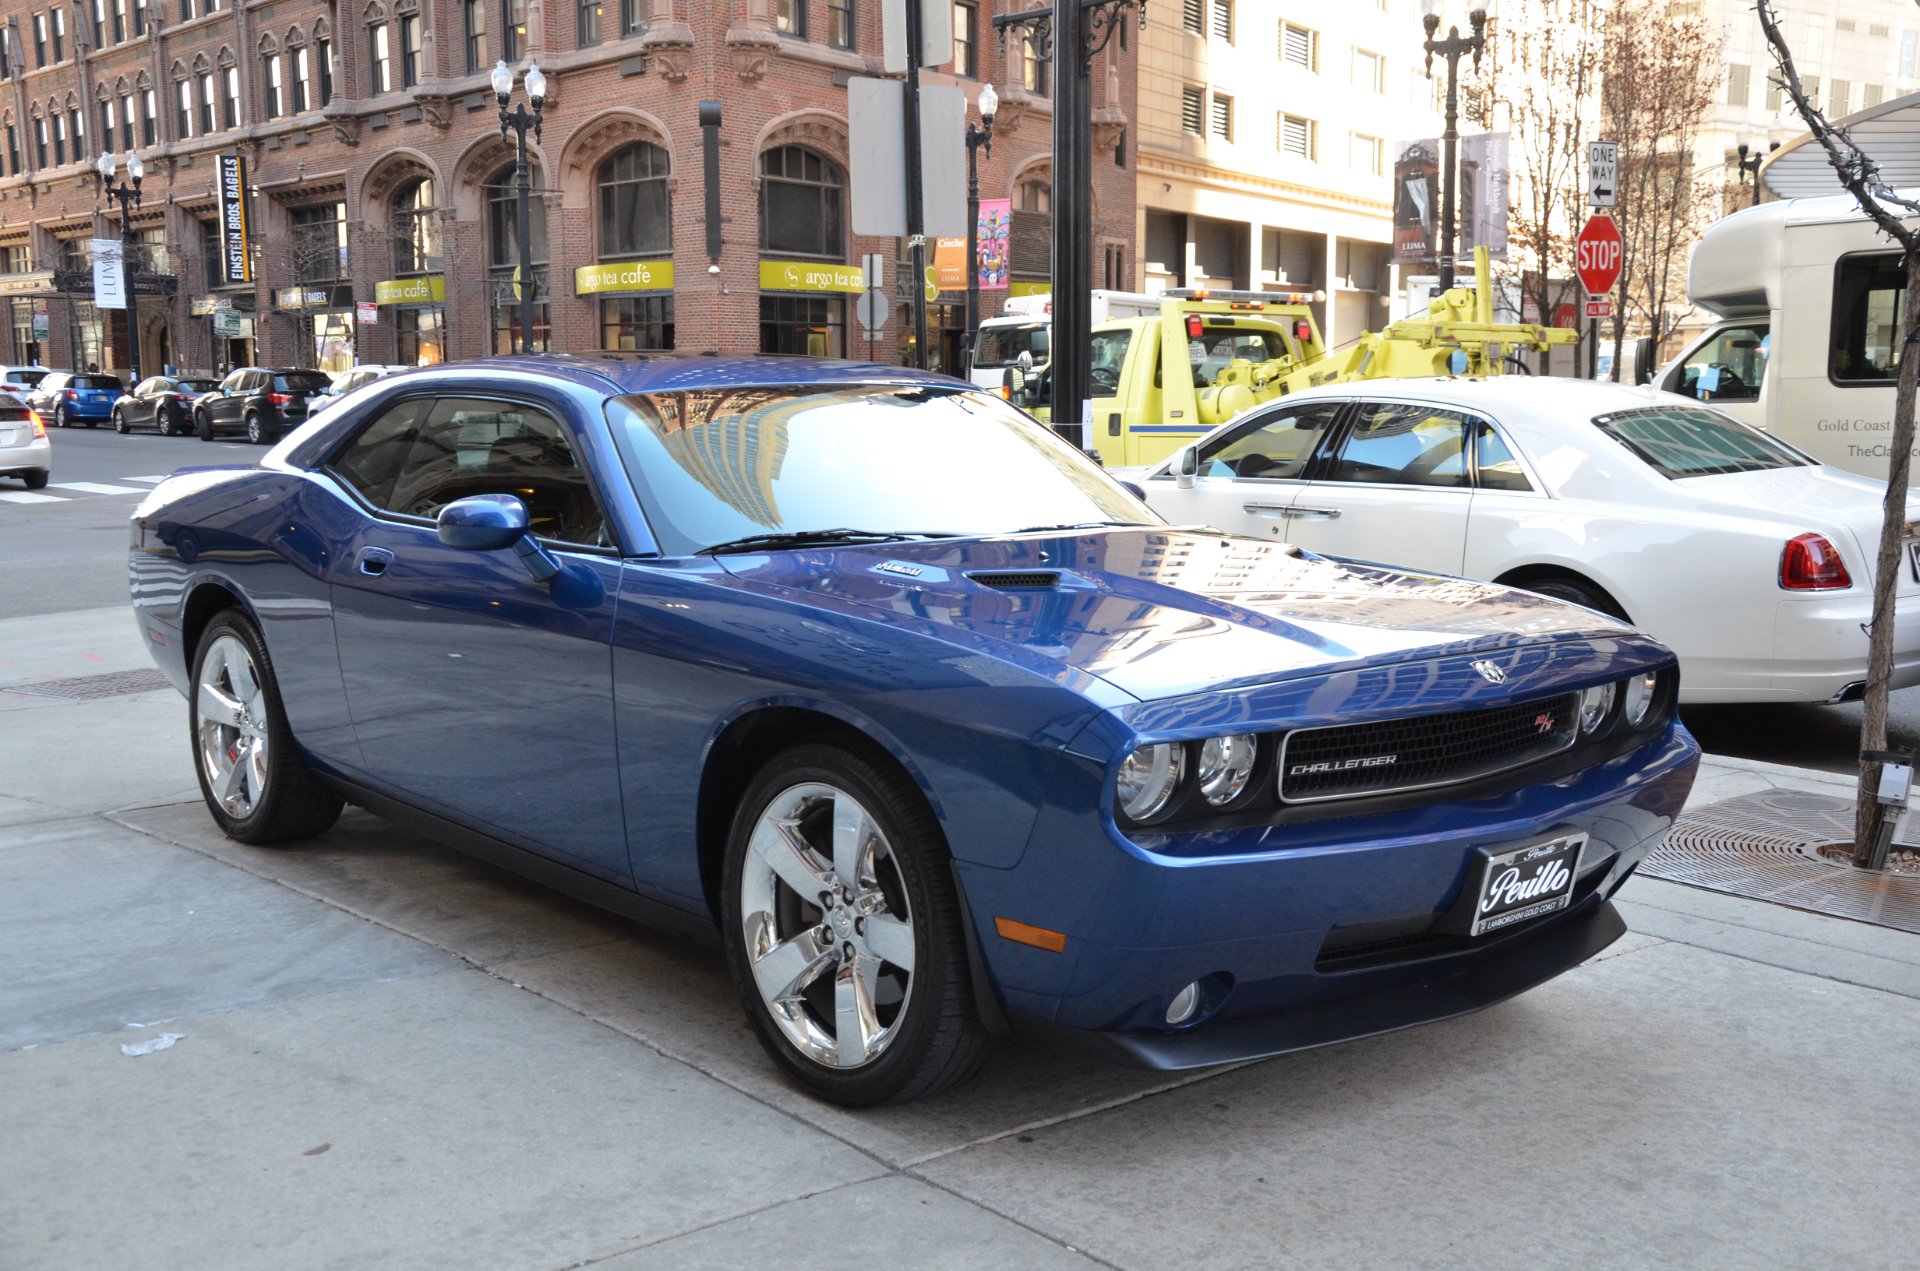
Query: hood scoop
1018, 580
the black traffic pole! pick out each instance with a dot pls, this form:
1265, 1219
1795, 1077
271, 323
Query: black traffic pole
916, 215
128, 197
521, 121
978, 139
1451, 48
1075, 32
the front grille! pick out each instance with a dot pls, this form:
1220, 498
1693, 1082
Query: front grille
1346, 761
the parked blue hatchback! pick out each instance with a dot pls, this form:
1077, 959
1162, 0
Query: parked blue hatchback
934, 726
67, 398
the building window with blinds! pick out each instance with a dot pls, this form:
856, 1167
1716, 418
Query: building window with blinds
1193, 110
1223, 20
1221, 117
1299, 137
1300, 47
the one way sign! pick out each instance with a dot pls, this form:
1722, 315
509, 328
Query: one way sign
1603, 173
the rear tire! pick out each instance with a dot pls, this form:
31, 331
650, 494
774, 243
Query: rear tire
36, 480
59, 416
252, 777
256, 429
862, 991
1580, 592
174, 424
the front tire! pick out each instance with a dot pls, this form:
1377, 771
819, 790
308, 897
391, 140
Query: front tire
843, 930
203, 425
252, 777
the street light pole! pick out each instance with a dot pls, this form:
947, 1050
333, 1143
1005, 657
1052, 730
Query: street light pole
127, 195
520, 121
1451, 48
1750, 161
980, 138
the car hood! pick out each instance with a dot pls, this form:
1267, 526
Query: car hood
1162, 613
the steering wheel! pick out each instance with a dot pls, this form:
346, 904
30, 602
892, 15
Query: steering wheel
1105, 377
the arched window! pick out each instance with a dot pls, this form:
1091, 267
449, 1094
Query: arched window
503, 256
801, 196
635, 219
416, 229
636, 308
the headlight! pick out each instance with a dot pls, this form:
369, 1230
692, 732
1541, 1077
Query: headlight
1594, 705
1226, 763
1637, 694
1149, 778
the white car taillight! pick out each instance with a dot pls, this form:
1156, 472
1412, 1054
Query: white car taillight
1811, 563
39, 429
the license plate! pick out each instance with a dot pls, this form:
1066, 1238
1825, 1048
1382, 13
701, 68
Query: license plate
1913, 558
1526, 882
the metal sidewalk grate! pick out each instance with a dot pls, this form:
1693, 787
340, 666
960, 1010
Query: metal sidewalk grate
1768, 846
84, 688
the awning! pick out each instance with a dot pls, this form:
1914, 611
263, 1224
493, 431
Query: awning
1889, 134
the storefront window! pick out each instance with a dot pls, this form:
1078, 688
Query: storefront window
635, 219
422, 336
815, 326
333, 341
416, 230
631, 324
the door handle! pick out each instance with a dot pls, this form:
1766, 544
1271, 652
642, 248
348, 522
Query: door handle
373, 561
1314, 514
1267, 509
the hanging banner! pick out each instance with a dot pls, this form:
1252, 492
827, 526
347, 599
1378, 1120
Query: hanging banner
1483, 200
949, 265
996, 220
108, 291
236, 261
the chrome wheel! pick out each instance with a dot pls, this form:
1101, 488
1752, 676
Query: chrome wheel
827, 926
231, 726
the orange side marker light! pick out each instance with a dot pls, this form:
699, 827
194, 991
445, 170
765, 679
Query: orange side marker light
1038, 937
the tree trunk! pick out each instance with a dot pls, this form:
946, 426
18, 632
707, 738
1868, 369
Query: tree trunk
1869, 812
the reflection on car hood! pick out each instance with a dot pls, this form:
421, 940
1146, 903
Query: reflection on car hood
1161, 613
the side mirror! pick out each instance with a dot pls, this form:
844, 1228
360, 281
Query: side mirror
490, 522
1643, 360
1186, 467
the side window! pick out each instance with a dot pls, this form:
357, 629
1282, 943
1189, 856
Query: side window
1109, 355
471, 446
372, 461
1499, 470
1869, 302
1727, 368
1397, 444
1276, 445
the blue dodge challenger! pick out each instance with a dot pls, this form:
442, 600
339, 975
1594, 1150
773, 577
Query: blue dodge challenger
930, 723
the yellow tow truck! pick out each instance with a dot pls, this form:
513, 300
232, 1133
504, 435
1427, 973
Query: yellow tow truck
1237, 349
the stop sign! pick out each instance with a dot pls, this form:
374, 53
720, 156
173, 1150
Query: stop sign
1596, 255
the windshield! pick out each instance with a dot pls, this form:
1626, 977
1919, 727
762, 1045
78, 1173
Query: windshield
94, 381
1689, 441
29, 378
1218, 347
1002, 346
718, 465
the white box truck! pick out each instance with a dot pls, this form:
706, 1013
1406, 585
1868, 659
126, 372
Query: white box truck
1025, 325
1808, 294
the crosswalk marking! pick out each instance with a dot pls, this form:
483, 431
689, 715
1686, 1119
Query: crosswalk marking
21, 496
95, 487
149, 480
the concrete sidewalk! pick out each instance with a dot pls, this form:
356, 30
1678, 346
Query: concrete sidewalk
388, 1055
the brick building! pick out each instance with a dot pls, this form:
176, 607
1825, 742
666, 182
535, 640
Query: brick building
379, 175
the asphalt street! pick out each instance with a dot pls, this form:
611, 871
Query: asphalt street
66, 550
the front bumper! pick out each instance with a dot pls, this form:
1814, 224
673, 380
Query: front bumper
1322, 932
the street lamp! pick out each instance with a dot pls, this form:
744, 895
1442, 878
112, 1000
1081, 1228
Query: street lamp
1451, 48
128, 197
520, 120
1750, 166
978, 139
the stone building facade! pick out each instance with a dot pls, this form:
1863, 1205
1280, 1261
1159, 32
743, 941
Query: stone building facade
380, 177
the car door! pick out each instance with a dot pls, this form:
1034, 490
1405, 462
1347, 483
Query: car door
148, 396
476, 691
223, 408
1250, 473
1394, 488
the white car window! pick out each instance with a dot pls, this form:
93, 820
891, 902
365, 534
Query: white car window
1498, 468
1393, 443
1274, 446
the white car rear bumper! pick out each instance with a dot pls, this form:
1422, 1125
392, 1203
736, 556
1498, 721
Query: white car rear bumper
1819, 654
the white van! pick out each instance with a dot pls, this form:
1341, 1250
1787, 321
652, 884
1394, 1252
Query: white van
1808, 293
1025, 325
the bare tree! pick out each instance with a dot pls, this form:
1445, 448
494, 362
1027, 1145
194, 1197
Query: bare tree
1544, 70
1658, 91
1861, 178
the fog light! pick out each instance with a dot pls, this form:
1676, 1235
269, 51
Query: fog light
1148, 779
1638, 696
1594, 705
1225, 765
1185, 1004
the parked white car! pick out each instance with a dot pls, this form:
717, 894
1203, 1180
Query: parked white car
1751, 560
346, 381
